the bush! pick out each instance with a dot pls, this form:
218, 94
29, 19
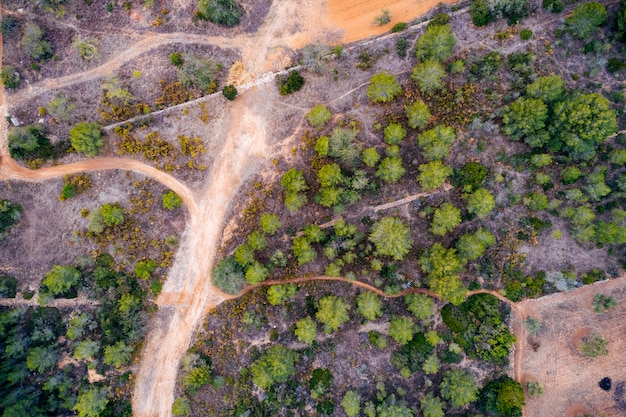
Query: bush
384, 18
401, 46
594, 346
8, 286
318, 116
86, 48
292, 83
171, 200
526, 34
554, 6
8, 25
10, 214
221, 12
230, 92
613, 65
10, 77
399, 27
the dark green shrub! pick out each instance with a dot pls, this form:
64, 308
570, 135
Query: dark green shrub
290, 84
10, 214
439, 19
8, 286
479, 11
8, 25
10, 77
470, 177
29, 142
399, 27
401, 46
221, 12
554, 6
526, 34
228, 276
230, 92
613, 65
486, 65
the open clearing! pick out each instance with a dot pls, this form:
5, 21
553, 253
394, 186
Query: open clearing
569, 379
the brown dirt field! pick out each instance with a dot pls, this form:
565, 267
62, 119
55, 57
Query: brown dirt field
569, 379
356, 18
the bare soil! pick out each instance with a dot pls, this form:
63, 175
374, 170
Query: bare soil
569, 379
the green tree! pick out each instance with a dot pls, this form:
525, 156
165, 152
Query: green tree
443, 266
436, 143
276, 365
420, 305
401, 329
371, 157
428, 75
295, 201
228, 276
417, 114
479, 11
595, 187
436, 44
342, 145
618, 156
171, 200
270, 223
306, 330
86, 349
28, 142
472, 246
585, 18
459, 387
112, 214
536, 201
392, 237
117, 354
10, 77
445, 219
390, 169
524, 117
383, 88
181, 407
431, 365
278, 294
504, 396
143, 269
91, 402
303, 251
222, 12
351, 403
582, 123
332, 312
41, 359
86, 138
570, 175
471, 176
480, 203
548, 89
33, 43
61, 107
244, 255
10, 214
433, 175
61, 279
329, 175
256, 273
293, 183
431, 405
369, 305
394, 133
541, 160
257, 241
318, 116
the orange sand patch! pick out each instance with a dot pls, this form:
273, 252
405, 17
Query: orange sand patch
357, 17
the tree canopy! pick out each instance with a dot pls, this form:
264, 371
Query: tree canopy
332, 312
445, 219
86, 138
276, 365
433, 175
369, 305
383, 88
435, 44
459, 387
435, 143
428, 75
392, 237
61, 279
222, 12
585, 18
417, 114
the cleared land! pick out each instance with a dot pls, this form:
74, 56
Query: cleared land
569, 379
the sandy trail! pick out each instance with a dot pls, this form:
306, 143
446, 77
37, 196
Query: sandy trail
188, 292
